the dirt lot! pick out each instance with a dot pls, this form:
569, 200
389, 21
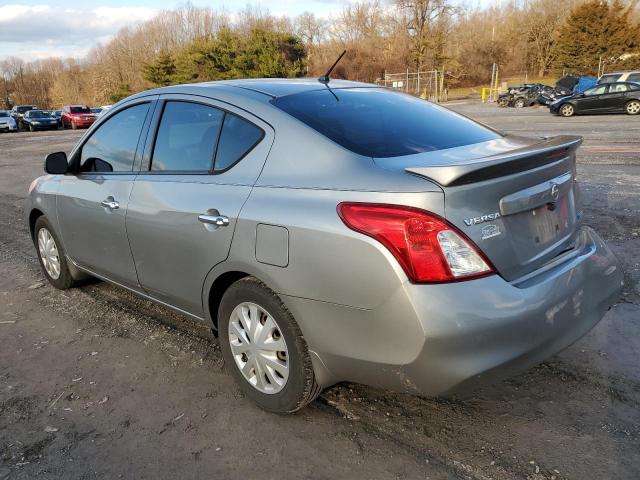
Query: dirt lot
96, 383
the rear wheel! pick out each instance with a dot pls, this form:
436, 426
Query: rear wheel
567, 110
632, 107
51, 255
263, 348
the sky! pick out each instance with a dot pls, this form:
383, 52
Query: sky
69, 28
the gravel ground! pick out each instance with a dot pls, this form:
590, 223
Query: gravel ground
97, 383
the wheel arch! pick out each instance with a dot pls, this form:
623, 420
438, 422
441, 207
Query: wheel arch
217, 290
34, 214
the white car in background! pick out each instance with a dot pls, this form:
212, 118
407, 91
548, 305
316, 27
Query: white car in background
631, 76
7, 122
104, 109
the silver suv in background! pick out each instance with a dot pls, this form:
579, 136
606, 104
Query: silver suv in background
632, 76
329, 232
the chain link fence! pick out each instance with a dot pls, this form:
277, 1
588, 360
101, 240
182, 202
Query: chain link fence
427, 84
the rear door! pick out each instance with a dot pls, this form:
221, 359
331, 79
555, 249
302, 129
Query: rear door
202, 160
92, 204
615, 97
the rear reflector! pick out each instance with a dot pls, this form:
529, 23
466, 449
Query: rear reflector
428, 248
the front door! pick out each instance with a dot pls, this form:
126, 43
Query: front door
187, 198
92, 204
592, 101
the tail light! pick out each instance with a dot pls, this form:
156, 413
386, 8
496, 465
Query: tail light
428, 248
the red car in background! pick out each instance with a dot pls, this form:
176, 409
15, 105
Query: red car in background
76, 116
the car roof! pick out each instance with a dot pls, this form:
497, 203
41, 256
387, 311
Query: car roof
280, 87
272, 87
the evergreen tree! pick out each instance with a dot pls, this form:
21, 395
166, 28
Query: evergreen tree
161, 71
597, 31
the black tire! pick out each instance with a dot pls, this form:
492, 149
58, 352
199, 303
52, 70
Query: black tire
64, 280
30, 128
519, 103
301, 387
73, 125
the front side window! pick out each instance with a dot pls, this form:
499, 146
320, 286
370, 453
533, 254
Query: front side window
187, 137
112, 147
595, 91
376, 122
237, 138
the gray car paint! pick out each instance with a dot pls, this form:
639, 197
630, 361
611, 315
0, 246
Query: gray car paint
362, 318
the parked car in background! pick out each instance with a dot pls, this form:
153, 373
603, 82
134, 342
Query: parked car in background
39, 120
567, 86
18, 111
104, 109
7, 122
618, 97
77, 116
96, 111
331, 232
57, 114
522, 95
631, 76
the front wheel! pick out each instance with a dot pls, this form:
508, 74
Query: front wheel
632, 107
567, 110
264, 349
51, 255
519, 103
31, 128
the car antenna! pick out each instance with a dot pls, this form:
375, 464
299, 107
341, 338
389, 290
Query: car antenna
325, 78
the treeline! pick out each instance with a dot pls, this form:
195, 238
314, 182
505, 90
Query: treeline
191, 44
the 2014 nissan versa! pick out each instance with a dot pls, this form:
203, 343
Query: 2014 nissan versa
331, 231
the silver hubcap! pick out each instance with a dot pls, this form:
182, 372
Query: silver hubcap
633, 108
258, 347
567, 110
49, 253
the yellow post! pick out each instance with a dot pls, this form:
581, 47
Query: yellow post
484, 94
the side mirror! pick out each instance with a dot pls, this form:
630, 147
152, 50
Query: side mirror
56, 163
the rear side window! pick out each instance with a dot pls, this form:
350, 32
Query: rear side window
187, 137
376, 122
633, 77
618, 87
112, 147
237, 139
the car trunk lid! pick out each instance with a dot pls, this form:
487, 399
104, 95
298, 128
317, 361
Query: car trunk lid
514, 197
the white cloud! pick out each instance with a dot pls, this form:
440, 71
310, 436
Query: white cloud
37, 31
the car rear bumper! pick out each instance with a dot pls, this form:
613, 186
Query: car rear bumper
480, 331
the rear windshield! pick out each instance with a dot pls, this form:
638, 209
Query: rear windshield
80, 110
4, 113
376, 122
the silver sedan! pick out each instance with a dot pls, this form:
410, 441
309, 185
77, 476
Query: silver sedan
331, 232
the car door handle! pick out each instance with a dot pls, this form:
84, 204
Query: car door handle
110, 203
217, 220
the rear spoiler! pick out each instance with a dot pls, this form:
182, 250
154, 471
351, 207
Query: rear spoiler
549, 151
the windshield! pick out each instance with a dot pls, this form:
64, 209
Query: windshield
4, 113
25, 108
377, 122
79, 110
38, 114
